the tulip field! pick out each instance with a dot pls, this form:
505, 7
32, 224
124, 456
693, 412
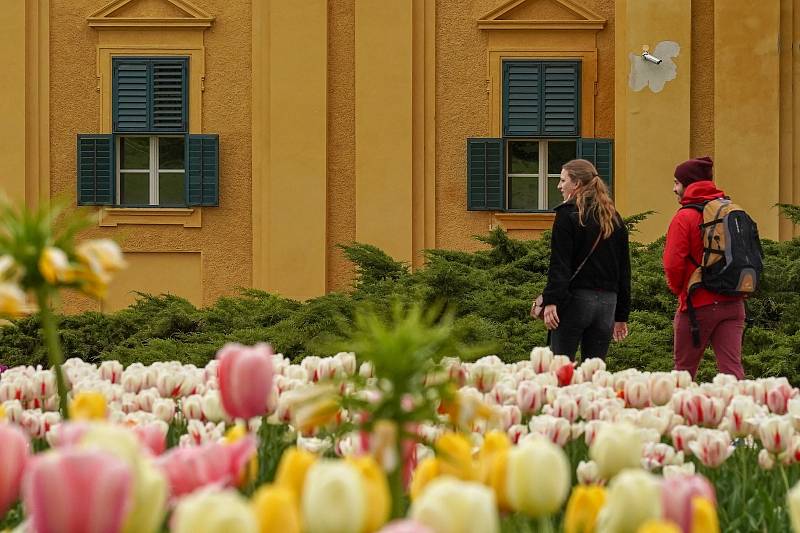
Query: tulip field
253, 442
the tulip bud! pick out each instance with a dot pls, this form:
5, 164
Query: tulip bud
164, 409
378, 500
67, 490
677, 499
583, 507
14, 456
538, 477
661, 388
637, 393
292, 470
712, 447
541, 359
276, 509
111, 371
214, 511
454, 452
793, 506
587, 473
87, 405
633, 498
334, 498
449, 504
245, 379
766, 460
616, 447
776, 434
529, 397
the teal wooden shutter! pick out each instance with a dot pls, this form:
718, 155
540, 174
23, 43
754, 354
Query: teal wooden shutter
169, 95
561, 99
130, 95
601, 153
202, 170
95, 169
485, 175
150, 95
541, 98
521, 98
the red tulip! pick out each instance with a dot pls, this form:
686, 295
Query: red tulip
245, 379
77, 491
564, 374
14, 455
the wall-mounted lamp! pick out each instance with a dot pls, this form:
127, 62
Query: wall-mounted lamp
651, 58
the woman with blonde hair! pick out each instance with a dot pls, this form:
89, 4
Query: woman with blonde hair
587, 297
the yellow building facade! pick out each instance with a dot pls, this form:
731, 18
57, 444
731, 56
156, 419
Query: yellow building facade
237, 143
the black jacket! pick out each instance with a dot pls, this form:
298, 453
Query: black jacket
608, 268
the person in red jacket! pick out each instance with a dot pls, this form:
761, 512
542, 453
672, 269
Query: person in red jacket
720, 317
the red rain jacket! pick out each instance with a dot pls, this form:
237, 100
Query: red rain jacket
683, 242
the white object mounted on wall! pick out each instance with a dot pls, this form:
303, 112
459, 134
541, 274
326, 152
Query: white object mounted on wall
653, 70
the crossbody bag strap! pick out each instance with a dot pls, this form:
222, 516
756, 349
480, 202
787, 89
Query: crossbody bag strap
596, 242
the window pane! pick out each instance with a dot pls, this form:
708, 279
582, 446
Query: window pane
558, 153
523, 157
523, 193
170, 153
135, 153
170, 188
134, 188
554, 197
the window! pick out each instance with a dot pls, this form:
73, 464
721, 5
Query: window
541, 127
149, 160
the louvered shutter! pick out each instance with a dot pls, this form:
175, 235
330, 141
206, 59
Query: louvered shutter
150, 95
561, 99
131, 101
95, 169
601, 153
169, 95
485, 175
202, 170
521, 97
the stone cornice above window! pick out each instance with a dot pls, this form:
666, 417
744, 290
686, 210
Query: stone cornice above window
502, 18
191, 16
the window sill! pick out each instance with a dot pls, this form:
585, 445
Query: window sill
188, 217
525, 221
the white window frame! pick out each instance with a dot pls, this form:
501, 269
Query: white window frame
153, 171
543, 165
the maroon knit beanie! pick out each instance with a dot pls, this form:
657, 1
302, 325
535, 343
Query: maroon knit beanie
699, 169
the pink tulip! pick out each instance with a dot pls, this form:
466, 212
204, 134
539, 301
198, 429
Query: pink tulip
77, 491
212, 464
67, 433
14, 455
677, 495
245, 379
405, 526
153, 436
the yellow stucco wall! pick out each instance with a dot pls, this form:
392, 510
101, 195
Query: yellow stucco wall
224, 240
395, 91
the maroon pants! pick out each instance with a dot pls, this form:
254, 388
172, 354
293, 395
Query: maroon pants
721, 324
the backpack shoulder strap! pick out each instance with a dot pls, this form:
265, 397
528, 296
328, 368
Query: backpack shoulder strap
696, 207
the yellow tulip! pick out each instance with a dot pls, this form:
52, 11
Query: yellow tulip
376, 487
54, 266
292, 470
659, 526
277, 509
494, 443
616, 447
2, 413
633, 498
249, 474
704, 516
498, 479
88, 405
427, 470
12, 300
583, 507
454, 452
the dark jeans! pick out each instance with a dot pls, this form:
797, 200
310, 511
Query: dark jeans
587, 319
722, 325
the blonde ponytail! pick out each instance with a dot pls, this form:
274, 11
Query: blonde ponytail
592, 197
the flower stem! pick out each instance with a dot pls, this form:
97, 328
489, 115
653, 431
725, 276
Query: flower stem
396, 486
545, 524
53, 347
